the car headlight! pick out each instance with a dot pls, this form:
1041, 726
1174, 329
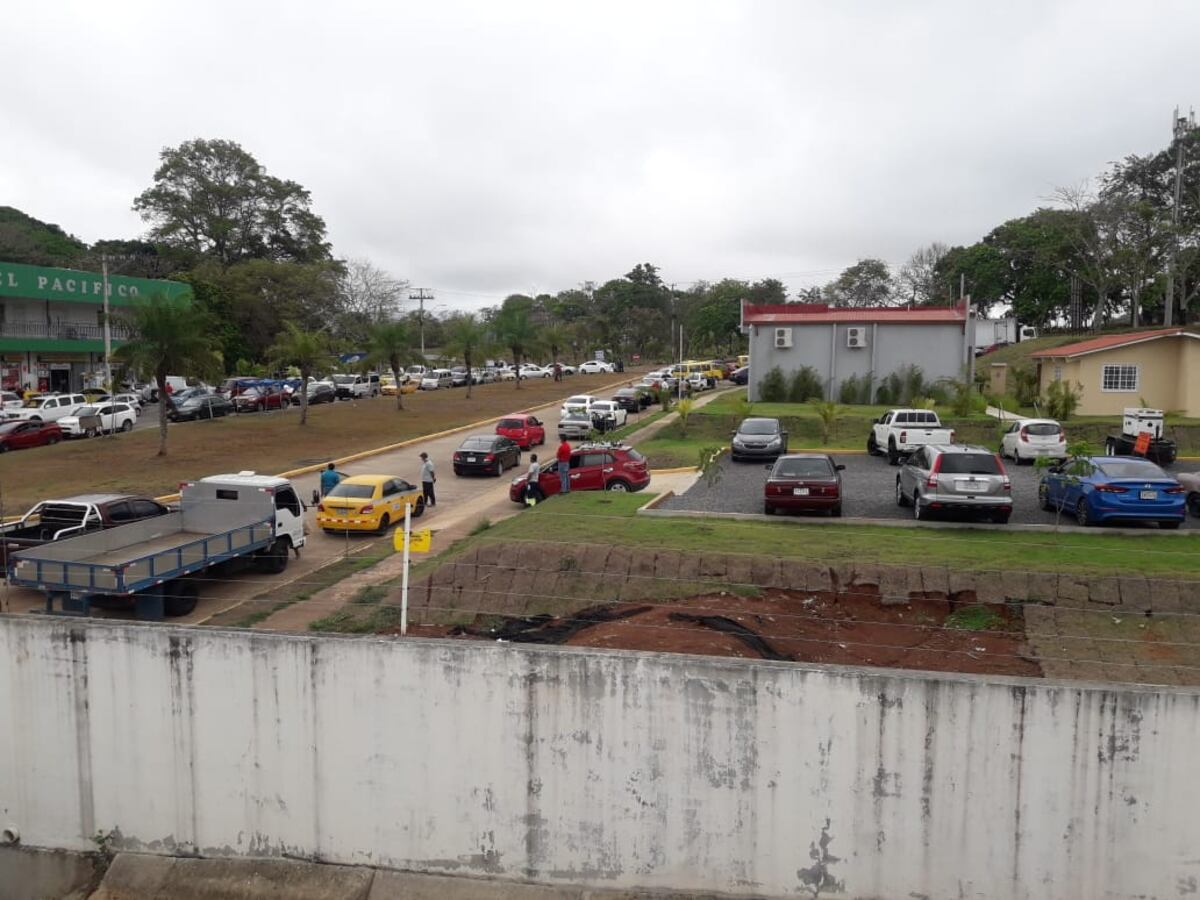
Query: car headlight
515, 481
773, 442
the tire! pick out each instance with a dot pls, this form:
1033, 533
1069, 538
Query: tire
1081, 513
836, 512
418, 509
179, 597
916, 506
35, 418
4, 448
1169, 524
499, 467
620, 487
274, 559
52, 440
1044, 498
1193, 505
1110, 447
90, 433
901, 497
893, 454
128, 425
768, 509
872, 447
1000, 518
458, 471
385, 522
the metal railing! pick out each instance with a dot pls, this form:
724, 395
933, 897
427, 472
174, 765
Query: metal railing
63, 331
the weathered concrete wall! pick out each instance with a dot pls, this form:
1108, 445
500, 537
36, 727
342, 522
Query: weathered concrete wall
612, 769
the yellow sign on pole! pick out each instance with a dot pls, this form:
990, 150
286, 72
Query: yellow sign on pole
421, 541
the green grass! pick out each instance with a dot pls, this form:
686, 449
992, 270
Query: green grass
975, 618
609, 519
350, 620
625, 430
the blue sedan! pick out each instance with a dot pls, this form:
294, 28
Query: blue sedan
1115, 488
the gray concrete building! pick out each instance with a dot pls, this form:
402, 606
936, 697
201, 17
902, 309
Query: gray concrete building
842, 343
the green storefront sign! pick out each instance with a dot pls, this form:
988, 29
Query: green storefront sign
73, 286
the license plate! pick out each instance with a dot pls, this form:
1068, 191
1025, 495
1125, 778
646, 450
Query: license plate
1148, 495
969, 487
800, 492
472, 459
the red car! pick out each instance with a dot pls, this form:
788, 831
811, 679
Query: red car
528, 431
19, 435
594, 467
260, 398
811, 482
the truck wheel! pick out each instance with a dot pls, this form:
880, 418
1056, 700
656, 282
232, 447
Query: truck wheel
872, 446
1110, 447
274, 559
128, 425
893, 454
179, 597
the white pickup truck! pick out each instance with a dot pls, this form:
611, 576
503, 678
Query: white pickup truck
900, 431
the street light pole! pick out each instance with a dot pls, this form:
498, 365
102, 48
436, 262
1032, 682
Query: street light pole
108, 385
1180, 127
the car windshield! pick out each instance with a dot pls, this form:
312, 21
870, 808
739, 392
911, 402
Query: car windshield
633, 456
759, 426
477, 444
251, 393
353, 491
343, 379
576, 417
969, 464
511, 423
575, 401
85, 411
9, 427
1043, 429
1133, 468
802, 468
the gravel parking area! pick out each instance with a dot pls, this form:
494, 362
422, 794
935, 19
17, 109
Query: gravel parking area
868, 486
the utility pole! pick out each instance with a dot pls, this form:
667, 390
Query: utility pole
421, 296
108, 385
1180, 126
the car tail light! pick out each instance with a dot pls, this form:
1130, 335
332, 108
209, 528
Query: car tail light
1024, 435
1062, 436
320, 507
932, 480
904, 437
369, 508
1111, 489
457, 456
1177, 489
952, 435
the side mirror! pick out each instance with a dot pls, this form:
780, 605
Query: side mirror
768, 467
839, 467
784, 433
903, 459
733, 433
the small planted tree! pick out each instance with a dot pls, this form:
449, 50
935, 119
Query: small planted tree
1076, 466
1062, 399
684, 407
827, 415
513, 329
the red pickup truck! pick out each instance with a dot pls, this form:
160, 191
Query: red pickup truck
53, 520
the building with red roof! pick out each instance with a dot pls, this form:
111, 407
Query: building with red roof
864, 344
1159, 368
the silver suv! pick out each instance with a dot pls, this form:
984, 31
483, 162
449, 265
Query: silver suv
955, 478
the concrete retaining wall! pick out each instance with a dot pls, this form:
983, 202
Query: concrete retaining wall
526, 578
605, 769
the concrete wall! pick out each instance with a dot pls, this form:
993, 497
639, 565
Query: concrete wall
936, 347
614, 769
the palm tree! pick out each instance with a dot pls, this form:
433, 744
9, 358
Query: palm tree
555, 338
514, 330
168, 335
303, 349
389, 343
465, 337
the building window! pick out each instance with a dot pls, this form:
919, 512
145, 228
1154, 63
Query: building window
1119, 378
1058, 373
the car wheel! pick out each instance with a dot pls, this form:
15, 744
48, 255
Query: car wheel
128, 426
384, 522
1001, 518
1044, 498
90, 433
1081, 513
499, 467
53, 439
3, 448
836, 512
1193, 505
1169, 524
872, 447
768, 509
458, 471
618, 486
901, 497
418, 509
916, 505
893, 454
1110, 447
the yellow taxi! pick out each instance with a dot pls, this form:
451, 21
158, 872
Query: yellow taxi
387, 386
368, 503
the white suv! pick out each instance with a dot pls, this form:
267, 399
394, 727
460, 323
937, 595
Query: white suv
88, 421
49, 408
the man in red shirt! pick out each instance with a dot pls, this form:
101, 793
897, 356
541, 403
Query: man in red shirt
564, 467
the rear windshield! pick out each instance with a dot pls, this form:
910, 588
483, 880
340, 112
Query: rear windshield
511, 423
802, 468
477, 444
969, 464
353, 491
759, 426
633, 456
1133, 468
1042, 429
343, 379
576, 401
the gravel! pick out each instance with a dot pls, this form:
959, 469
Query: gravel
868, 487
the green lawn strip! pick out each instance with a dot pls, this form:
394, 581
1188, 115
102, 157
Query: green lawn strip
625, 430
609, 519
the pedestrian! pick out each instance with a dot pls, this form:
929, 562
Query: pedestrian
428, 478
533, 488
563, 455
329, 479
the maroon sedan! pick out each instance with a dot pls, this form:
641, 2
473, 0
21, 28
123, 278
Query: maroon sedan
19, 435
811, 482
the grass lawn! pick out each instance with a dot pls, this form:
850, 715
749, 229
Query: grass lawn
609, 519
264, 442
635, 422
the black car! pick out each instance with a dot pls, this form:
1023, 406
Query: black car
628, 399
318, 392
486, 454
199, 406
740, 376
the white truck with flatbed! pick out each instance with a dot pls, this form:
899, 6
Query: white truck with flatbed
155, 565
899, 432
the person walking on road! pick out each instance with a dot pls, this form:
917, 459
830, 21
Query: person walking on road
329, 479
563, 455
428, 478
533, 488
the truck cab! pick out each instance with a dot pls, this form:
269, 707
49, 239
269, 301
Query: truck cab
900, 431
289, 510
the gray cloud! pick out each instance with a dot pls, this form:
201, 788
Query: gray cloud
480, 148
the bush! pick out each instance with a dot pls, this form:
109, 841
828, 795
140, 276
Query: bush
906, 385
1024, 385
1062, 400
772, 389
827, 416
855, 390
806, 385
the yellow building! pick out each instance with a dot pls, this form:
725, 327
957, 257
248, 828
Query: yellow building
1159, 368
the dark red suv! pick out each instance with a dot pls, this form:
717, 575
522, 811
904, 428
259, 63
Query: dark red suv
528, 431
594, 467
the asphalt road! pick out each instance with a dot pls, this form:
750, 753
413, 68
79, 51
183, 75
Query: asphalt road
868, 485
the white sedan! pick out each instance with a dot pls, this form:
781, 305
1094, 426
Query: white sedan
531, 371
595, 367
1027, 439
506, 374
579, 403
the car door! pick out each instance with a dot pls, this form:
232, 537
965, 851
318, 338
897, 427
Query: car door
910, 472
587, 471
537, 431
24, 435
392, 499
1008, 443
513, 449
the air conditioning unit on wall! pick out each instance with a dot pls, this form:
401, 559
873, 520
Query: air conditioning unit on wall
856, 337
783, 338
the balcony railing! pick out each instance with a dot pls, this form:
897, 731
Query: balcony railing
61, 331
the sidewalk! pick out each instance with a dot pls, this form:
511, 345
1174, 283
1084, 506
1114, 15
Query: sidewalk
1003, 415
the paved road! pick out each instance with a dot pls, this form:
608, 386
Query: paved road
869, 486
459, 499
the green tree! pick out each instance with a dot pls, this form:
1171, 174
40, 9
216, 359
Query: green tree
827, 415
303, 349
214, 200
866, 283
389, 343
513, 329
555, 338
168, 335
466, 338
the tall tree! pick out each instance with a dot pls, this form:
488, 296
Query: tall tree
367, 294
389, 343
303, 349
466, 338
213, 199
1094, 234
168, 335
918, 282
512, 328
866, 283
555, 338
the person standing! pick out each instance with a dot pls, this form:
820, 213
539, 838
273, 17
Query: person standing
563, 455
533, 488
428, 478
329, 479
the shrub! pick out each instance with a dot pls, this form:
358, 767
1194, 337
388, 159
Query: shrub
772, 389
855, 390
912, 383
1062, 400
827, 415
961, 395
806, 385
1024, 385
684, 408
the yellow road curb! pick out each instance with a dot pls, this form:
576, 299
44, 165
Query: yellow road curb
678, 471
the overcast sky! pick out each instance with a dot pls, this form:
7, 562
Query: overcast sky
489, 147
